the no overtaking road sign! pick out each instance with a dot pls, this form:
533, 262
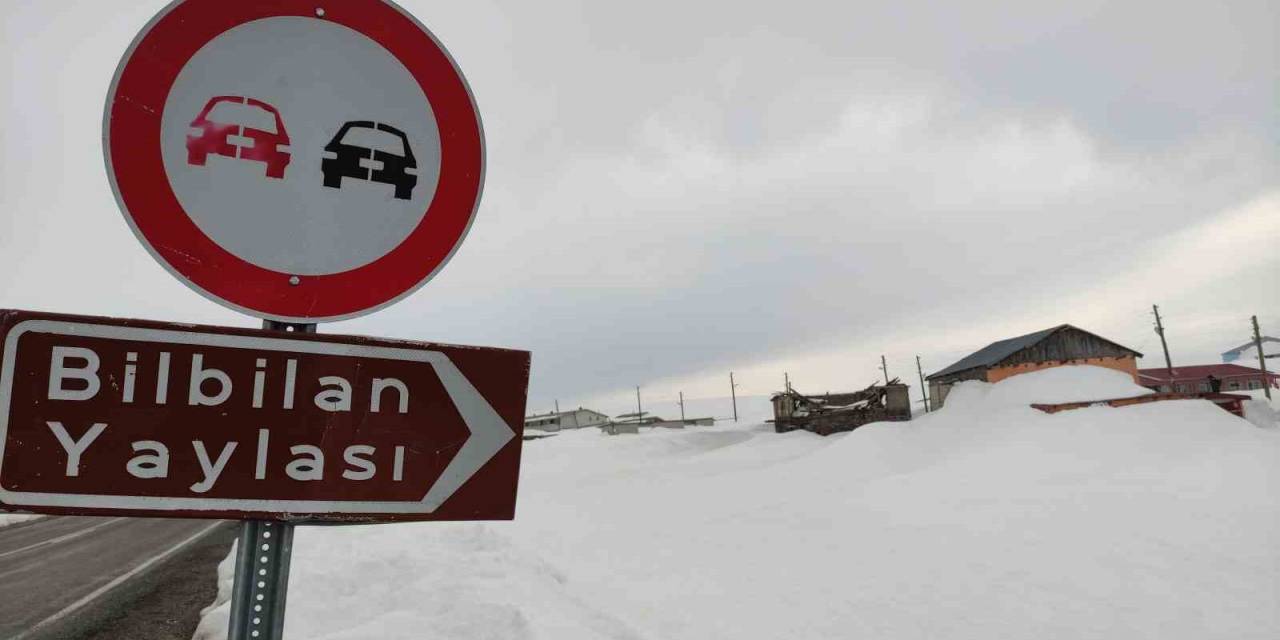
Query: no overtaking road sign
297, 160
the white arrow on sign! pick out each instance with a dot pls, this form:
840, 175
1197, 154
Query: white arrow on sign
489, 432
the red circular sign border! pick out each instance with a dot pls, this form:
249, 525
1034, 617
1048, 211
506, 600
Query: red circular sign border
131, 145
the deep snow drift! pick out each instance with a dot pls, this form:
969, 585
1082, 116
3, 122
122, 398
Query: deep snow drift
986, 519
1259, 410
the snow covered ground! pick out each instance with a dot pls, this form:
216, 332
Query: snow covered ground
1259, 410
14, 518
986, 519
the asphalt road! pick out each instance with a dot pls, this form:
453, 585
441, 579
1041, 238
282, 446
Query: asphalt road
60, 576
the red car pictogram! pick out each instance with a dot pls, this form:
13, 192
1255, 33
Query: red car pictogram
211, 134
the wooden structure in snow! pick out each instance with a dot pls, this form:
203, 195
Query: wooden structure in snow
1230, 402
835, 412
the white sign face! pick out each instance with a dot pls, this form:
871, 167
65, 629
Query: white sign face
301, 146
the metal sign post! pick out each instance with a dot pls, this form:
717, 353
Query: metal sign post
262, 580
263, 551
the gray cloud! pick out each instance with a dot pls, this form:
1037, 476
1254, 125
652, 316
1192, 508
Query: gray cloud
679, 188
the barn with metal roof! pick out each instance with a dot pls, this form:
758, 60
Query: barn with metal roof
1052, 347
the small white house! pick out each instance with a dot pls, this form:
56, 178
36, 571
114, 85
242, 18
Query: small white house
574, 419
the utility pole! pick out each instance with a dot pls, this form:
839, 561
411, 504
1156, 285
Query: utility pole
1168, 363
557, 406
923, 396
733, 392
681, 406
786, 378
639, 413
1262, 359
884, 366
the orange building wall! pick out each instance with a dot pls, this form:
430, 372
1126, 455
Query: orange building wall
1127, 364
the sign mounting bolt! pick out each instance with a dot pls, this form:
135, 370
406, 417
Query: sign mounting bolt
294, 280
319, 12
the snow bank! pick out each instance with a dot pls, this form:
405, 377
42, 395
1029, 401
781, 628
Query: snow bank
1261, 394
985, 519
14, 518
1262, 414
214, 618
1259, 410
1056, 385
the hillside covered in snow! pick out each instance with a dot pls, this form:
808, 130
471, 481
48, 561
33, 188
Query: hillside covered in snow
987, 519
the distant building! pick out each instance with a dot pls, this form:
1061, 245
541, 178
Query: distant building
641, 418
837, 412
1053, 347
619, 428
631, 423
1248, 353
575, 419
1195, 379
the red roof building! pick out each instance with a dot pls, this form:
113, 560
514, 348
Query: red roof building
1231, 377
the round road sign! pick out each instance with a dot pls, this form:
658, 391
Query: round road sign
301, 161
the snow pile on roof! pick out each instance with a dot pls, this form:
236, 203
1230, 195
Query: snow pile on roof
1048, 386
985, 519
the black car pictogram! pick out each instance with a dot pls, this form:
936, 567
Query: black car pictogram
345, 160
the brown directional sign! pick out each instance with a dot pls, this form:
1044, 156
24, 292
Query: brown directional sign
107, 416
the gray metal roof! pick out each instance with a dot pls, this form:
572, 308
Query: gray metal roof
996, 351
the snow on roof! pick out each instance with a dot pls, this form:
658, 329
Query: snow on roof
1076, 383
557, 414
1202, 371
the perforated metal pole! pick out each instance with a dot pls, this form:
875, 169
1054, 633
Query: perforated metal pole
262, 563
262, 580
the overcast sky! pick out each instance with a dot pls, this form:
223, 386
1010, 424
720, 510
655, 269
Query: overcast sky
680, 189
